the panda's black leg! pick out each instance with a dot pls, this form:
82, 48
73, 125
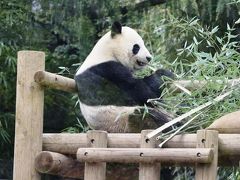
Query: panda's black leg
160, 116
134, 123
139, 120
152, 119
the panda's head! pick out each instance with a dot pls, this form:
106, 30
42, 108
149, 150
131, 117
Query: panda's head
128, 47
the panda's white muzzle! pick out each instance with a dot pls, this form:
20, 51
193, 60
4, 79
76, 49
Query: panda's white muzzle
141, 63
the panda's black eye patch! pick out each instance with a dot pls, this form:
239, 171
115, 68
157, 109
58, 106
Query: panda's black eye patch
135, 49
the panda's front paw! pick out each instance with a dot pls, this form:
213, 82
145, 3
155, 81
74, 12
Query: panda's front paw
164, 72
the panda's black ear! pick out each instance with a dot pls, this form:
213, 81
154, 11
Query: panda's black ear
116, 28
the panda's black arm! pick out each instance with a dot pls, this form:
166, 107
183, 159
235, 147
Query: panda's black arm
140, 90
155, 81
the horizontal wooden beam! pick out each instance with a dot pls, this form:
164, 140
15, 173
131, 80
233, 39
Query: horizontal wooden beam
145, 155
229, 144
196, 84
147, 3
55, 81
58, 164
66, 143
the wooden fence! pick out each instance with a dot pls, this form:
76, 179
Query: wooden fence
63, 153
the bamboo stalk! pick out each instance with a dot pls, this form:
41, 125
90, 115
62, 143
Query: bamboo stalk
177, 131
189, 113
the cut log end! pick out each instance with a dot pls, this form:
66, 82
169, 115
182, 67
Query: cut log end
228, 124
39, 76
43, 162
58, 164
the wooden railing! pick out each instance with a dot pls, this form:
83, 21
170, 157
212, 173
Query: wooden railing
63, 153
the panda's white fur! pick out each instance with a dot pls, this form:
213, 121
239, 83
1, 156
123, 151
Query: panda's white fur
110, 118
113, 48
118, 49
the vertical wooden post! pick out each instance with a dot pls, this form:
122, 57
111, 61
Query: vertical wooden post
207, 139
96, 171
148, 171
29, 115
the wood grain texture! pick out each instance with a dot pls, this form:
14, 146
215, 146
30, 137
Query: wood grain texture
29, 115
58, 164
207, 139
145, 155
228, 124
55, 81
93, 170
148, 170
66, 143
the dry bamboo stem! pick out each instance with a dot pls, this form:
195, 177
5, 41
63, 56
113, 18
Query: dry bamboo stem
183, 116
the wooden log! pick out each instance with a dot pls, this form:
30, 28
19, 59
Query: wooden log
58, 164
207, 139
148, 170
229, 144
66, 143
55, 81
146, 3
145, 155
229, 123
137, 2
59, 82
29, 115
196, 84
96, 170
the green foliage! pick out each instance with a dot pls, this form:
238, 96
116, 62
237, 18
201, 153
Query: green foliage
195, 50
13, 16
204, 57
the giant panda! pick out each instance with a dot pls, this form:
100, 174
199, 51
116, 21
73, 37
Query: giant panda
110, 97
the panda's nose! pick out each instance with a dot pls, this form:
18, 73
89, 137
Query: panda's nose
149, 58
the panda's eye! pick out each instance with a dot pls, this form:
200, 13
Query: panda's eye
135, 49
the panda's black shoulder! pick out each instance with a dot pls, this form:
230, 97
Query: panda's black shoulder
110, 69
102, 84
